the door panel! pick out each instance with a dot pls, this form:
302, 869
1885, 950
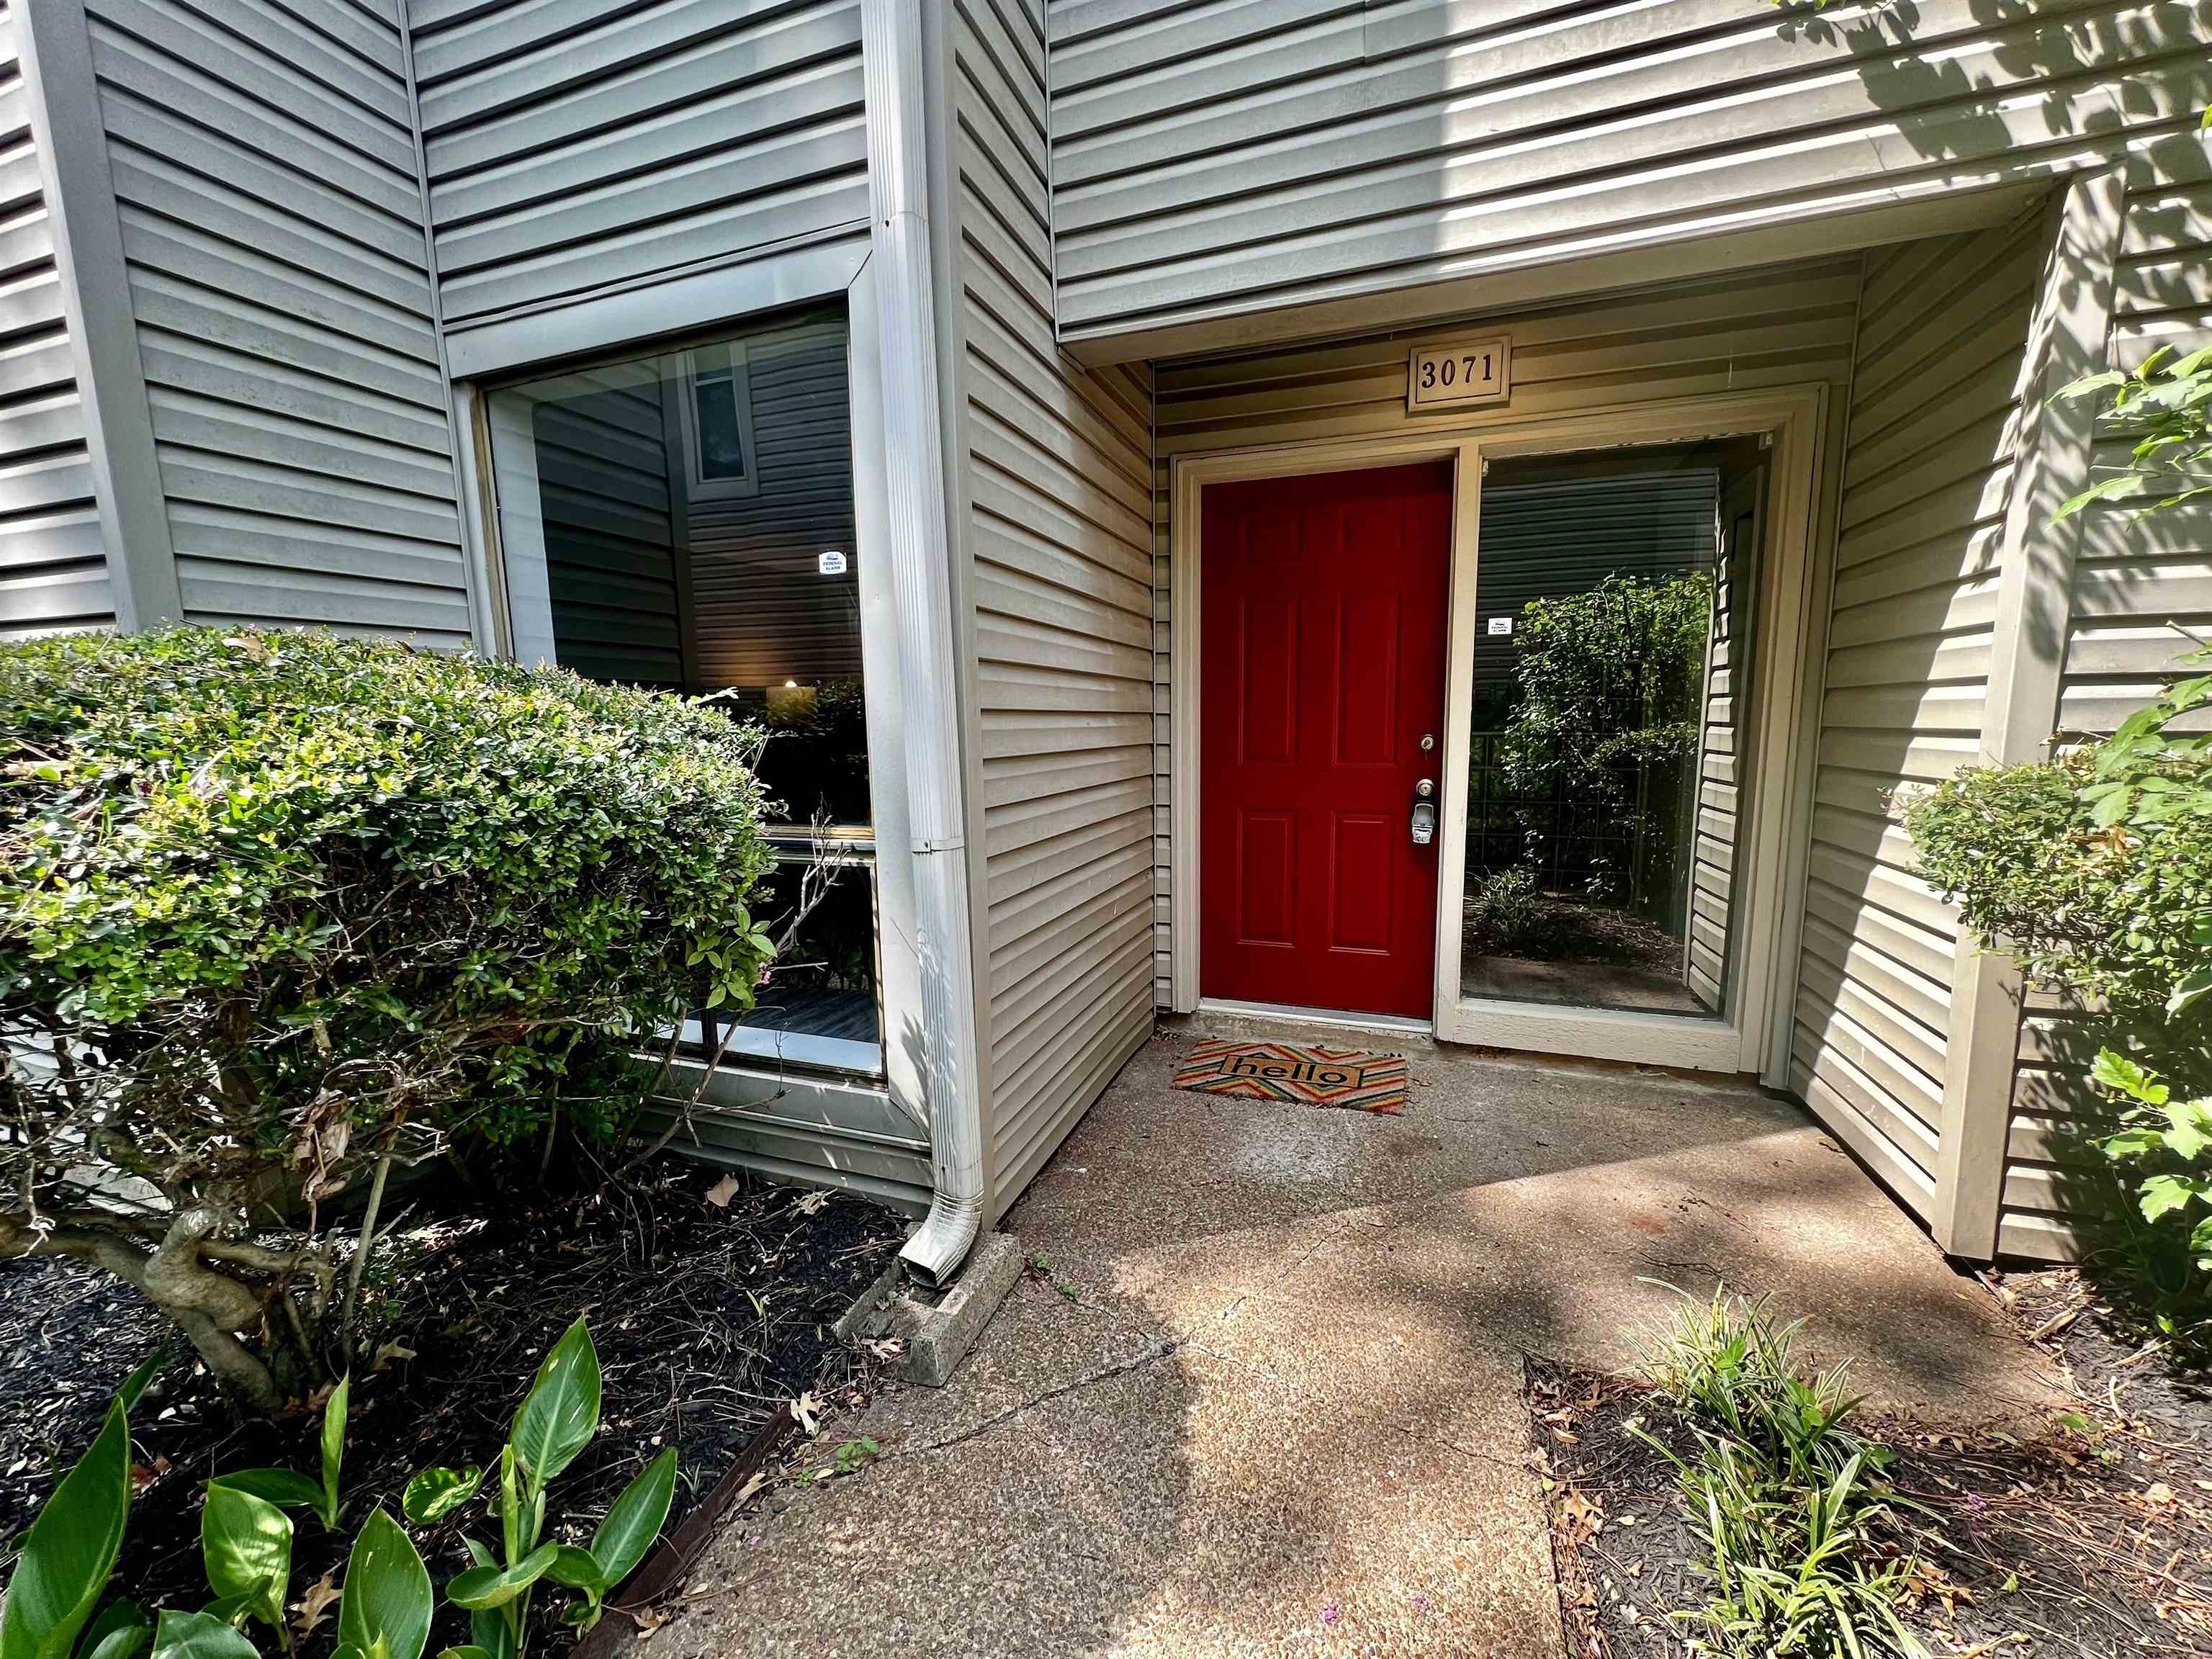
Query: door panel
1323, 603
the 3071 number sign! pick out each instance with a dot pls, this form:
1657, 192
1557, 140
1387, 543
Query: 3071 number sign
1460, 371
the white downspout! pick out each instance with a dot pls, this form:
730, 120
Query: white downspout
921, 582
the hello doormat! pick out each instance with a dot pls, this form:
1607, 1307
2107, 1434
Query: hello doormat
1355, 1079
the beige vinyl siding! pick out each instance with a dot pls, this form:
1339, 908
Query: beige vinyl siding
2141, 595
264, 166
574, 145
53, 572
754, 557
611, 559
1213, 160
1927, 476
1785, 325
1057, 532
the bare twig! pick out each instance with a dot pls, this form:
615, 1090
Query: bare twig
360, 1261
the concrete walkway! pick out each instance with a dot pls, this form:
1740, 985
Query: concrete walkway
1282, 1413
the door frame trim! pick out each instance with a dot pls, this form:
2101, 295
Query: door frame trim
1190, 476
1753, 1030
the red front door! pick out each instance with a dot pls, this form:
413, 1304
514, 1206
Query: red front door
1322, 608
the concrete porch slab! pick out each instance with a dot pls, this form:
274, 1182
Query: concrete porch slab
1281, 1413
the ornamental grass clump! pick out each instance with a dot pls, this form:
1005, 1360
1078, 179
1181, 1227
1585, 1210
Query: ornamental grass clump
275, 909
1790, 1504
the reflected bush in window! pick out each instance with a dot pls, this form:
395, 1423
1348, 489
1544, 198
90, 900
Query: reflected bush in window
1609, 694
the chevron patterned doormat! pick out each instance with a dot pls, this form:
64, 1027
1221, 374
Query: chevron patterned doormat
1352, 1078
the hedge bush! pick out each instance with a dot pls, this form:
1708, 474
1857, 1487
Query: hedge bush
2094, 869
273, 906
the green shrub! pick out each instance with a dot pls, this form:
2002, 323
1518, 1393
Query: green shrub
1505, 916
276, 907
2094, 869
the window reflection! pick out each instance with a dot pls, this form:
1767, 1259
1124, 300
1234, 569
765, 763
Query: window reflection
683, 519
1614, 591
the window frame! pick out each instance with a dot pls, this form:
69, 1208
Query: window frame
738, 367
671, 318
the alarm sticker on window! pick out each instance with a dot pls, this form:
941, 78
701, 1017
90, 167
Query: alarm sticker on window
830, 561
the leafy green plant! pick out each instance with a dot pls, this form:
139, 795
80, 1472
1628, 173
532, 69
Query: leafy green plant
1727, 1366
2160, 1129
1608, 684
1787, 1498
2094, 870
68, 1556
69, 1553
277, 910
1788, 1564
2163, 404
288, 1488
851, 1458
1505, 914
555, 1422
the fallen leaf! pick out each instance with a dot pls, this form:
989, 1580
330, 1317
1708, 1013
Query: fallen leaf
388, 1352
811, 1203
808, 1411
2157, 1493
315, 1601
722, 1192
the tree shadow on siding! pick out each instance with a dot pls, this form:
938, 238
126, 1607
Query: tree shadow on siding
2039, 86
2035, 90
2142, 1269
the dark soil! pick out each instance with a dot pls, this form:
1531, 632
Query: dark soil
1572, 930
707, 1317
2109, 1359
2092, 1538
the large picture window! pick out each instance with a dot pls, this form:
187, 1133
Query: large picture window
683, 519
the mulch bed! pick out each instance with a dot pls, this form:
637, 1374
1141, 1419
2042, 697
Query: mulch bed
1576, 931
710, 1301
2094, 1539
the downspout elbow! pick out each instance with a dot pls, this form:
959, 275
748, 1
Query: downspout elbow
941, 1243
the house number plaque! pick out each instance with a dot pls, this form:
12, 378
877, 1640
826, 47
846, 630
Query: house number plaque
1459, 372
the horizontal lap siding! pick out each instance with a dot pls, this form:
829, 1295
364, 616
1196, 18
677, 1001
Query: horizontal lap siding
53, 570
573, 145
2141, 597
1935, 410
1058, 534
1219, 157
611, 575
1787, 326
755, 557
264, 166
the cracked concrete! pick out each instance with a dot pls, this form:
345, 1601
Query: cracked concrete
1283, 1415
